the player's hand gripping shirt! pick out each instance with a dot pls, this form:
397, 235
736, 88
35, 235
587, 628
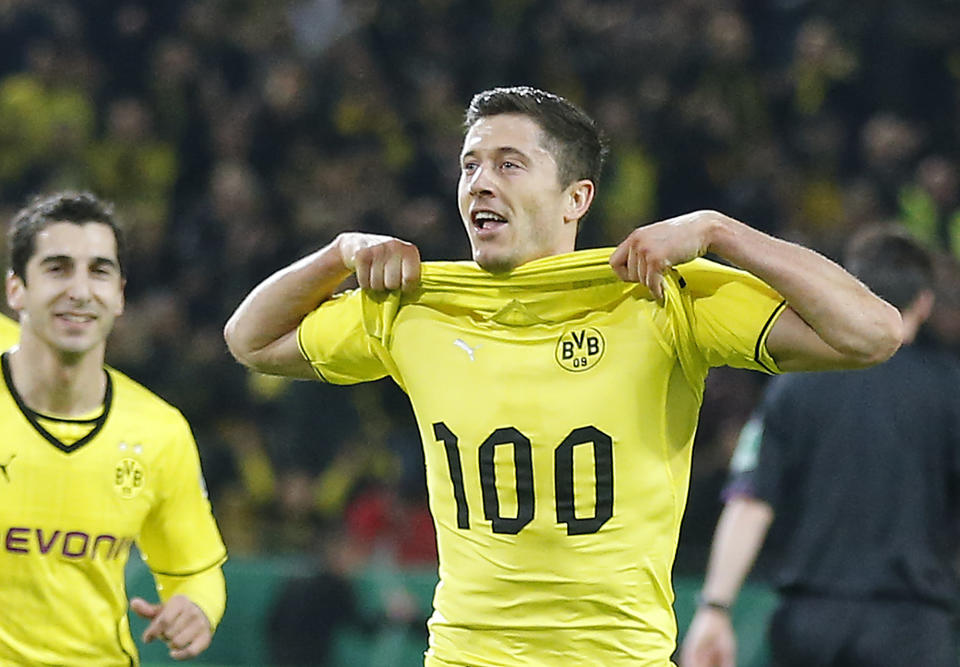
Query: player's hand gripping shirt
74, 496
557, 407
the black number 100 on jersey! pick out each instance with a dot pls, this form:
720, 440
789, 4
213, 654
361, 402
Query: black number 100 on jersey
523, 463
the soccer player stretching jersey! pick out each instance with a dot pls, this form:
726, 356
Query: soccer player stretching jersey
557, 392
91, 463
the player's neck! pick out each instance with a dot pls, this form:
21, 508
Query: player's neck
56, 384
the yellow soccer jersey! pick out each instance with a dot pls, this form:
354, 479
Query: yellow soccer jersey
557, 407
9, 332
70, 511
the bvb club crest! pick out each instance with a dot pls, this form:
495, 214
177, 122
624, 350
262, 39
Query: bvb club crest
579, 350
128, 478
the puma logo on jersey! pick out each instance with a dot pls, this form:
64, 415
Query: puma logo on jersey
466, 348
3, 467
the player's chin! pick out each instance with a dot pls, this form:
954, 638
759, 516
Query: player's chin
492, 256
77, 345
494, 263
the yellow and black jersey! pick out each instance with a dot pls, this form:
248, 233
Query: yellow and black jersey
75, 494
557, 407
9, 332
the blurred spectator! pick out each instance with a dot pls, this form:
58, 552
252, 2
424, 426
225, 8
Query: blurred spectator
393, 523
930, 203
945, 321
136, 170
821, 61
312, 612
46, 123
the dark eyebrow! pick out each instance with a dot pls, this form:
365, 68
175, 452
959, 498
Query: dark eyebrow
56, 259
502, 150
101, 261
97, 261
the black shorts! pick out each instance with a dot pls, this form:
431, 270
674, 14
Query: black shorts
812, 631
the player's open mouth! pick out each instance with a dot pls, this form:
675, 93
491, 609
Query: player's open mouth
487, 220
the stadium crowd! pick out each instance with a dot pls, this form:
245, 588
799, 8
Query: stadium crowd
236, 135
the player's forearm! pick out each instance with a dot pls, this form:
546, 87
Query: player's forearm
844, 313
206, 589
275, 308
740, 533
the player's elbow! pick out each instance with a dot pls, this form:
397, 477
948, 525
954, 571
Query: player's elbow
237, 344
893, 337
276, 356
881, 339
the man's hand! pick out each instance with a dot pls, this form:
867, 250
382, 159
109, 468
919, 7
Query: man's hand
178, 622
652, 250
710, 641
380, 262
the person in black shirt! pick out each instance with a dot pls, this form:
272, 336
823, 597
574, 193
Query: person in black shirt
859, 473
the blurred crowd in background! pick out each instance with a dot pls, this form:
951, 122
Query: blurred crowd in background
237, 135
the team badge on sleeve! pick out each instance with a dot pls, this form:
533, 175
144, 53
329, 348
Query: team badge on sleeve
747, 452
580, 349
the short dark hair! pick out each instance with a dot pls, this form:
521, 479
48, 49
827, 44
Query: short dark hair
571, 136
891, 263
45, 210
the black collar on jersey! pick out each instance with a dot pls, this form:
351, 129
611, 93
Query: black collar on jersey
33, 416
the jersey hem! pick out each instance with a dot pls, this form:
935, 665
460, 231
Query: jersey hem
762, 338
303, 353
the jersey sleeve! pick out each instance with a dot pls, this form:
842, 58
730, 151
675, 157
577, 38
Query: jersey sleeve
730, 314
180, 540
206, 589
336, 339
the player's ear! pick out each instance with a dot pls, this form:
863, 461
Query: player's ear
579, 197
15, 291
